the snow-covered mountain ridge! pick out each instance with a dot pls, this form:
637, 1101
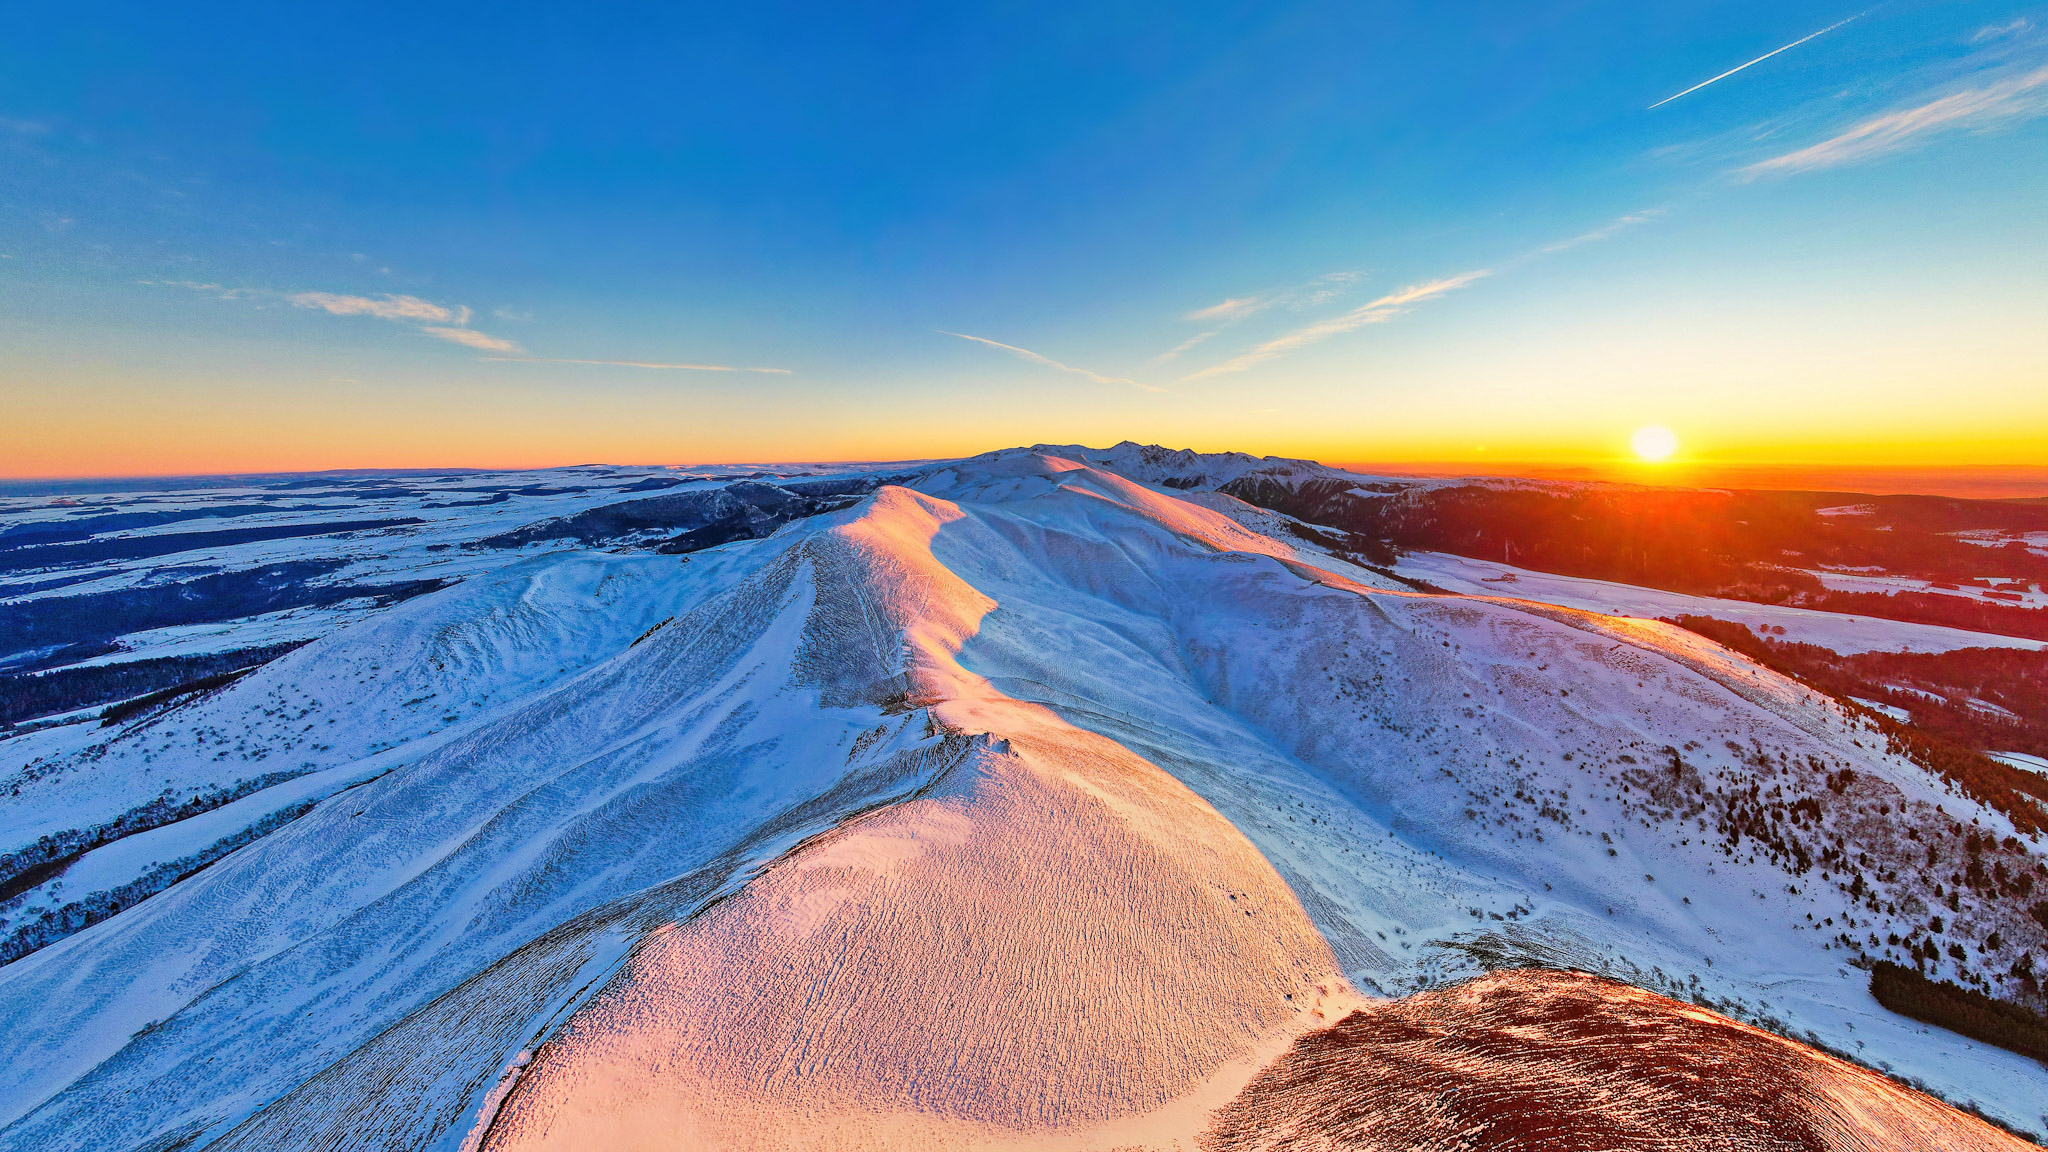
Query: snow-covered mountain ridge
1026, 805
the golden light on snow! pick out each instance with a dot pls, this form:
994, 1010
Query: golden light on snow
1654, 444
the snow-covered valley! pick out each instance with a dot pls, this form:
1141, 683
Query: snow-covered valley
1020, 801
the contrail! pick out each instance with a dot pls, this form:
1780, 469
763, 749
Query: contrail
1049, 362
1758, 60
632, 364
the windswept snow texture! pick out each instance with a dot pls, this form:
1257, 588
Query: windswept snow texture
1027, 806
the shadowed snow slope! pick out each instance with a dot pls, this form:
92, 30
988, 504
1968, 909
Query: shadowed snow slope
369, 967
331, 715
1033, 808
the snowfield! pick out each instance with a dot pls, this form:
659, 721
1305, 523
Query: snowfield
1842, 633
1026, 805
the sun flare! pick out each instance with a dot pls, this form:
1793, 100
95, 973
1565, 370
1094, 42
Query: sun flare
1654, 444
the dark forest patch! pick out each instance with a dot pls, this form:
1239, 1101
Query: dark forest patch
99, 522
57, 627
1960, 1010
26, 696
170, 543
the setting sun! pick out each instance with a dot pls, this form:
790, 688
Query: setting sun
1654, 444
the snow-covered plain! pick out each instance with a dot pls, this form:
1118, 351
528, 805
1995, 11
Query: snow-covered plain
2035, 542
2013, 592
1029, 806
2023, 760
1843, 633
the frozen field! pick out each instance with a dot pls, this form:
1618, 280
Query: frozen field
1843, 633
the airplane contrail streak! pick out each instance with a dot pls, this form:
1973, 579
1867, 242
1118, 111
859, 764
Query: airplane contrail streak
1049, 362
1758, 60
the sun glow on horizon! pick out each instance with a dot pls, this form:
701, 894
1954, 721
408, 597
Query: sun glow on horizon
1654, 444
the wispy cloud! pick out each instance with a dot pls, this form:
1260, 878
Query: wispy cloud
1758, 60
471, 338
215, 290
1174, 352
635, 364
382, 307
441, 321
1320, 290
2014, 98
448, 322
1236, 308
1372, 312
1049, 362
1606, 231
2017, 27
1222, 315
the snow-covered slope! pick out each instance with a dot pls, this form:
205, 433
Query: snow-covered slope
327, 717
1031, 807
1056, 936
478, 880
1514, 779
130, 571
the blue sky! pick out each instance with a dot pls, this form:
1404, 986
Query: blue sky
280, 236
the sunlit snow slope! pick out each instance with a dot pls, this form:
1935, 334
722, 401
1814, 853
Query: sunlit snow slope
1030, 807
